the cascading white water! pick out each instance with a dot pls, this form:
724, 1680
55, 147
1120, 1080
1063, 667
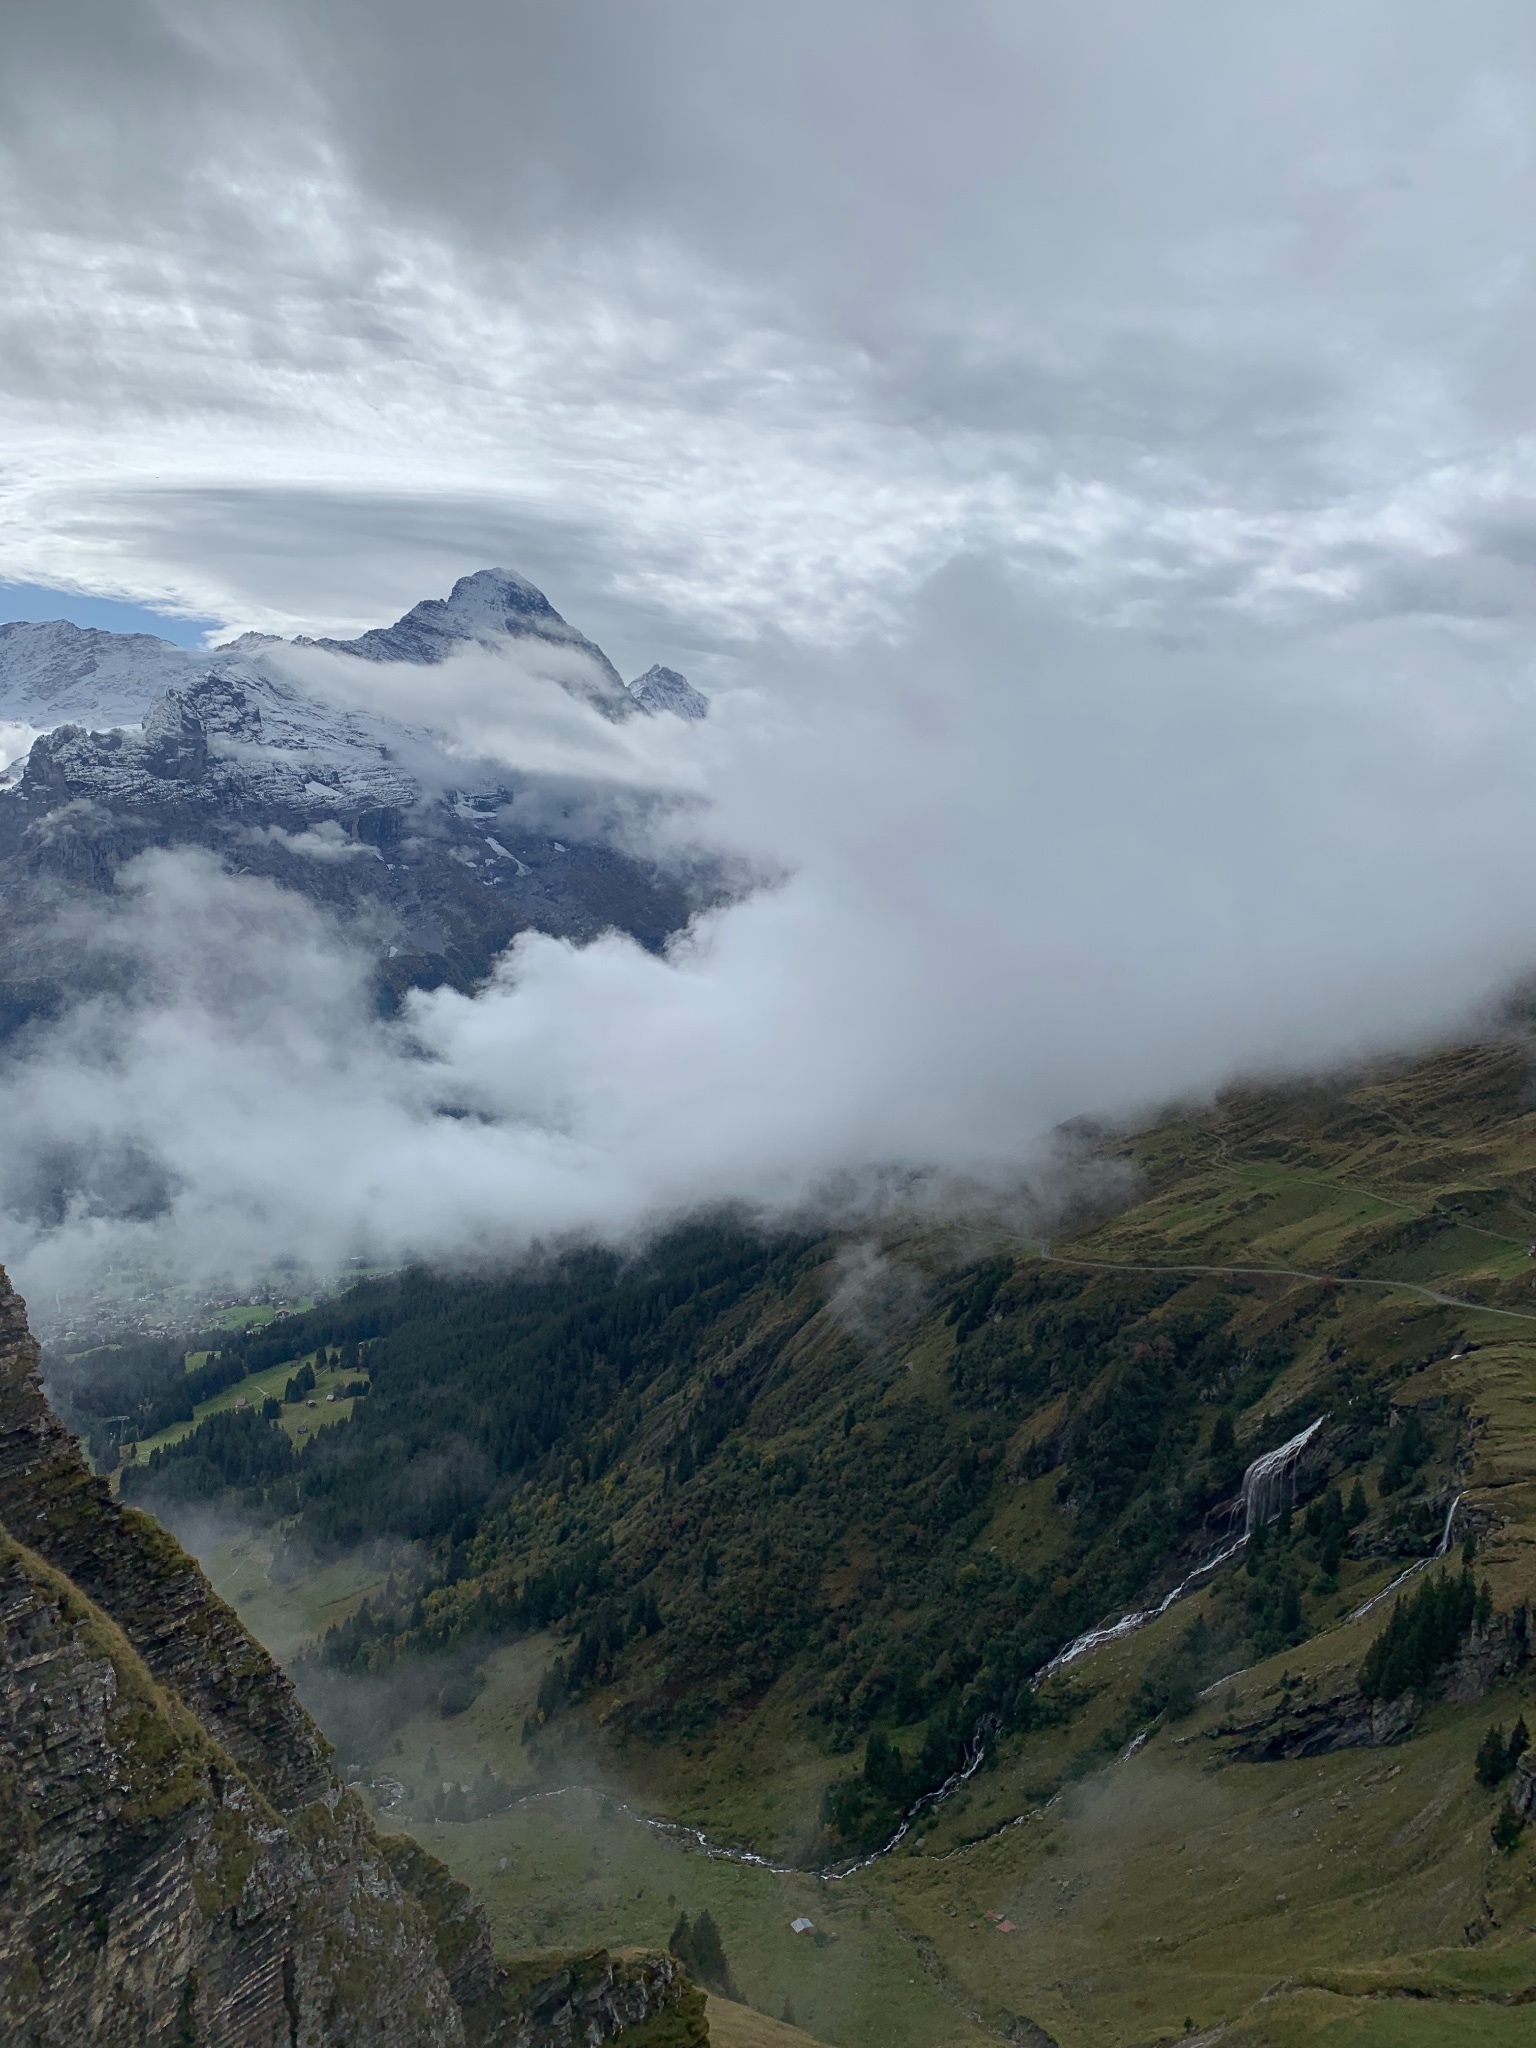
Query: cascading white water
1260, 1499
1128, 1624
1402, 1578
1270, 1477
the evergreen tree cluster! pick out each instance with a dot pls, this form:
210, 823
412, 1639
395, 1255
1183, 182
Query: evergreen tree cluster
411, 1617
1423, 1634
863, 1811
1498, 1754
1408, 1447
300, 1384
1508, 1828
237, 1452
120, 1394
1329, 1522
595, 1655
702, 1953
476, 1385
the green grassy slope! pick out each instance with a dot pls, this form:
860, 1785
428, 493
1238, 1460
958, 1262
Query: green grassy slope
868, 1491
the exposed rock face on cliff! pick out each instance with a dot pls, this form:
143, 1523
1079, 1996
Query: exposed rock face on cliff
179, 1863
1314, 1718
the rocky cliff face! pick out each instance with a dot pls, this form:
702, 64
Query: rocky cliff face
180, 1865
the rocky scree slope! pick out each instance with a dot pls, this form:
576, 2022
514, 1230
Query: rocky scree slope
436, 864
180, 1865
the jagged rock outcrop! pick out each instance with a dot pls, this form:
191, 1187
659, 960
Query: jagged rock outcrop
156, 1595
237, 744
585, 1999
1322, 1715
1315, 1720
1522, 1794
179, 1863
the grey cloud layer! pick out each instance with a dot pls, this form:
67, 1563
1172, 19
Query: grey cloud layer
765, 314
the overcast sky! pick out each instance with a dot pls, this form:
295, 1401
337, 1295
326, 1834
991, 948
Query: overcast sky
1087, 448
723, 318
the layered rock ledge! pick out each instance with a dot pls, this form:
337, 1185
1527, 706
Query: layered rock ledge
180, 1864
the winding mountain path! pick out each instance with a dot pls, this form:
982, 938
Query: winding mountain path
1519, 1315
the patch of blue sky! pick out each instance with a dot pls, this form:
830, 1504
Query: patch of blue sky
109, 614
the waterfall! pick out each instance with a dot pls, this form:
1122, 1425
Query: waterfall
1261, 1499
1441, 1548
1128, 1624
1270, 1476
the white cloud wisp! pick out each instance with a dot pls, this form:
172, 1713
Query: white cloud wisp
1032, 870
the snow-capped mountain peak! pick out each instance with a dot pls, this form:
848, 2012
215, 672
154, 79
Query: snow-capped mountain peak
663, 689
56, 673
490, 609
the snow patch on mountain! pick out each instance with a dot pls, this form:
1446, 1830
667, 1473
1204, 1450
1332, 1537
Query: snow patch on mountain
663, 689
56, 674
490, 609
246, 723
238, 739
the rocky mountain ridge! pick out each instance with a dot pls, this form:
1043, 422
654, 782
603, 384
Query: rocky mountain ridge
53, 672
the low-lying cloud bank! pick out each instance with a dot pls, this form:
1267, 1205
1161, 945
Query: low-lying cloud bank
1031, 870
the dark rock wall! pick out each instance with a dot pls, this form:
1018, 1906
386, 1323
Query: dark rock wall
181, 1865
142, 1578
177, 1862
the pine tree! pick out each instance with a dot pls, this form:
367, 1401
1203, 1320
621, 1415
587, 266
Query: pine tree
1357, 1510
1507, 1829
708, 1950
1423, 1633
702, 1953
1493, 1759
